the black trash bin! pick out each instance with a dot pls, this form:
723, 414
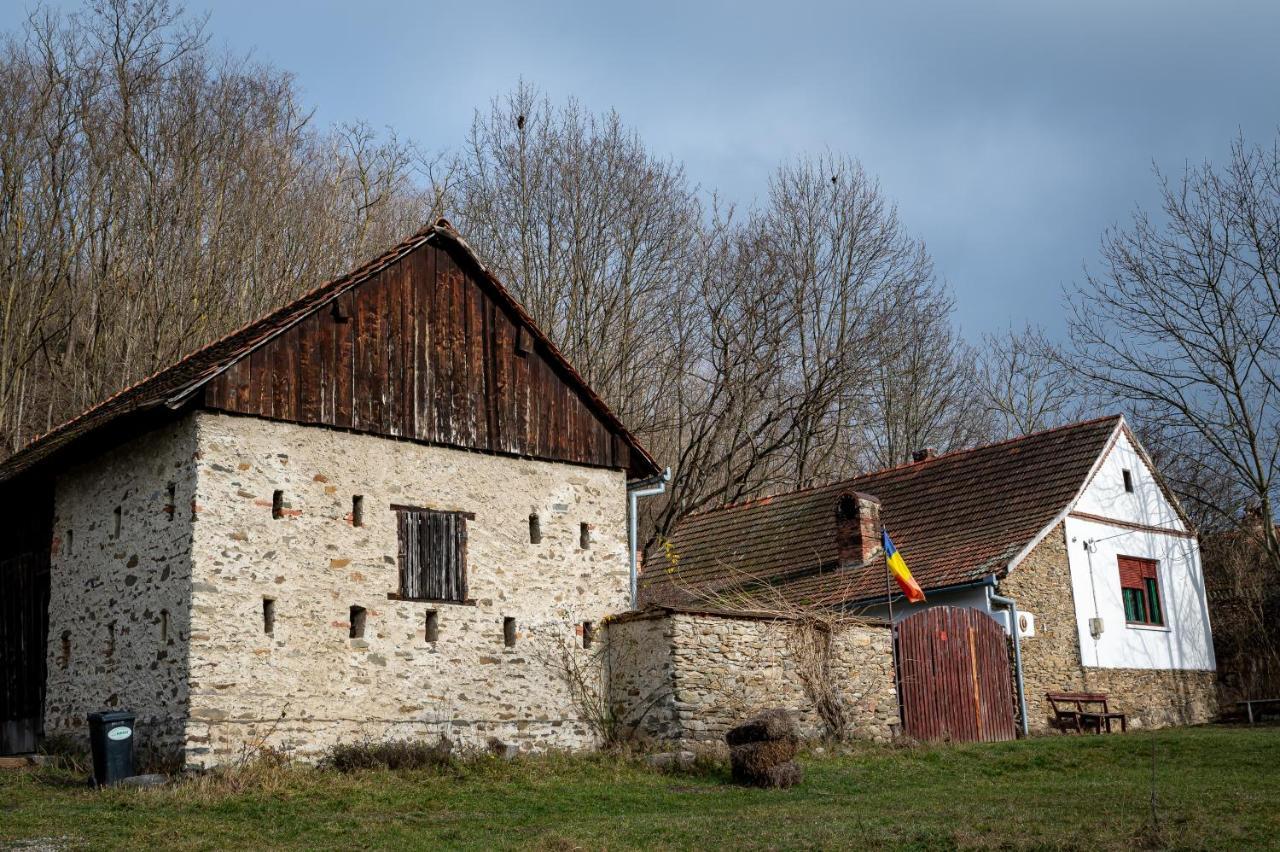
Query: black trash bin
111, 739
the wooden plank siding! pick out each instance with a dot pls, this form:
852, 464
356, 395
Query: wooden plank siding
425, 352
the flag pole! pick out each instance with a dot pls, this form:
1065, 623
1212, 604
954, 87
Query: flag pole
893, 630
888, 580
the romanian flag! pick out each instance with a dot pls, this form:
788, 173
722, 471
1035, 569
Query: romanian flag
898, 568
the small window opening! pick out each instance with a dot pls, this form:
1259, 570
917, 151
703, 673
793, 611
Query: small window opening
269, 616
172, 506
584, 535
535, 529
357, 622
70, 540
1128, 481
509, 632
357, 510
164, 625
111, 639
339, 313
64, 659
277, 504
116, 524
588, 633
433, 625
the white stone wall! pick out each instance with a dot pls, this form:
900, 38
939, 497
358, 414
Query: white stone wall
309, 685
119, 601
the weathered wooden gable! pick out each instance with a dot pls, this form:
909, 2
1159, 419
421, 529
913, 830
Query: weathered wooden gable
428, 350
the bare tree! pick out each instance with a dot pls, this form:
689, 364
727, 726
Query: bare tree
154, 196
1023, 384
1182, 325
591, 231
922, 391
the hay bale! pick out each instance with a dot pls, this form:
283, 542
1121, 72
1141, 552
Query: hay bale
784, 775
775, 724
755, 758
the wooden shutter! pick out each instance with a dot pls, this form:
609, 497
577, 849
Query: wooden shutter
1134, 571
433, 555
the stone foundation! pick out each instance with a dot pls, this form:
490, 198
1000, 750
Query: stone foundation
692, 676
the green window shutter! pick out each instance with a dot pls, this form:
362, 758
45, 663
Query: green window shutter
1153, 598
1135, 609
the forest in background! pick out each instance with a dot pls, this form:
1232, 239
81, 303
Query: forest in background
155, 195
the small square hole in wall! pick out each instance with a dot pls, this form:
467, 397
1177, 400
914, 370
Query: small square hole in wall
584, 535
357, 510
1128, 480
277, 504
509, 632
116, 523
171, 508
535, 529
588, 633
357, 622
433, 625
269, 616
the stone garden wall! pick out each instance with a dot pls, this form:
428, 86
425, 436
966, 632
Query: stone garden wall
695, 675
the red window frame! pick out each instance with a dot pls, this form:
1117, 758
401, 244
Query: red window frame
1140, 591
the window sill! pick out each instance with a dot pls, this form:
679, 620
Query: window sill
1138, 625
392, 596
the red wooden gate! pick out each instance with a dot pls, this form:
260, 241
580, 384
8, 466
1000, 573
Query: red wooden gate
953, 676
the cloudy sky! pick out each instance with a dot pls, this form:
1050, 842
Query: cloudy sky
1011, 134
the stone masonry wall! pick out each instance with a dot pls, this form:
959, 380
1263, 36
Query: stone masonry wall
120, 589
1041, 584
719, 670
308, 685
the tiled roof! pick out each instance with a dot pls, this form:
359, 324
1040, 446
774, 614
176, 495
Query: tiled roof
956, 518
179, 380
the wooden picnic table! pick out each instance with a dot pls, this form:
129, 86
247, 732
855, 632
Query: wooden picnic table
1086, 711
1249, 702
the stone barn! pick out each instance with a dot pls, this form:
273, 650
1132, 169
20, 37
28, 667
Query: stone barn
348, 519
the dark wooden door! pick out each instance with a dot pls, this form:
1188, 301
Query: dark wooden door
953, 676
24, 622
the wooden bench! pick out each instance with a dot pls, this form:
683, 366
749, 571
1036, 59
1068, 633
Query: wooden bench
1081, 711
1249, 702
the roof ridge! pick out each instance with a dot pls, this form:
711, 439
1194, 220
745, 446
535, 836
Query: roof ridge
743, 504
993, 444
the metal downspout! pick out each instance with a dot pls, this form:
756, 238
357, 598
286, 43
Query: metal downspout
1012, 606
650, 487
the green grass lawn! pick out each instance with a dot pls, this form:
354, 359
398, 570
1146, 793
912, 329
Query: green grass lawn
1217, 787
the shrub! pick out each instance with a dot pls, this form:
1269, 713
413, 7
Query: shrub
389, 754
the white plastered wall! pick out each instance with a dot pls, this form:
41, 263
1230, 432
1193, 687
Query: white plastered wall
1185, 642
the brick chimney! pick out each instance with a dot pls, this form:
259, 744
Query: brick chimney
923, 454
857, 528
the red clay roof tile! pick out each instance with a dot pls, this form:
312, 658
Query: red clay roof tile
956, 518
